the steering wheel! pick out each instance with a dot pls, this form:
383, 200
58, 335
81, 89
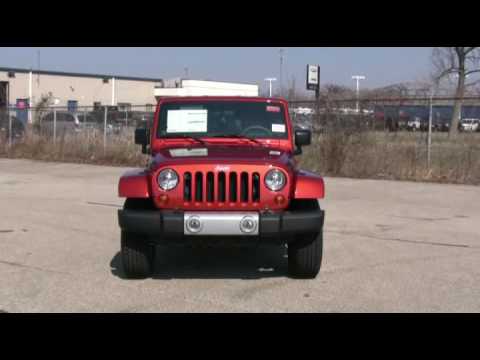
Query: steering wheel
255, 127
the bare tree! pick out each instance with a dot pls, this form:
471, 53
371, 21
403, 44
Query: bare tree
462, 62
40, 109
391, 91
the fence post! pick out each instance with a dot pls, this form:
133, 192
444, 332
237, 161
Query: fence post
105, 131
9, 129
54, 125
429, 139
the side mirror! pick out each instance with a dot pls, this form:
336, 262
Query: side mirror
141, 138
303, 137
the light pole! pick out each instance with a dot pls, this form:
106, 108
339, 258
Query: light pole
358, 78
270, 81
281, 72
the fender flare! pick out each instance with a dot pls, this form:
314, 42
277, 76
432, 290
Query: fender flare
134, 184
309, 186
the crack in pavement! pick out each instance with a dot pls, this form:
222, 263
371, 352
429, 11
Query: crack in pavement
403, 240
103, 204
32, 267
6, 231
421, 218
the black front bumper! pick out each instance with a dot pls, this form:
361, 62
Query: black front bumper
168, 224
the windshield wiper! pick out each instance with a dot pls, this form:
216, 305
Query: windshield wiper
184, 137
236, 136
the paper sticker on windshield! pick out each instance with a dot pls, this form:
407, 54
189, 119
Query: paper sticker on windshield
187, 121
271, 108
188, 152
278, 128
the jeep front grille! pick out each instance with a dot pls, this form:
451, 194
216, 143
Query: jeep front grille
221, 187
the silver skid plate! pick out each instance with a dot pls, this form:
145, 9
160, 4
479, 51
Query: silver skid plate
221, 223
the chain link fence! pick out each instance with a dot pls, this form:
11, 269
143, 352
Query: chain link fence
393, 138
102, 133
366, 138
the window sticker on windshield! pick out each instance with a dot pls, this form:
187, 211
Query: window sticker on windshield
271, 108
187, 121
278, 128
188, 152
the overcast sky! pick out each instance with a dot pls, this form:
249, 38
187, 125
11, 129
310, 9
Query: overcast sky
381, 66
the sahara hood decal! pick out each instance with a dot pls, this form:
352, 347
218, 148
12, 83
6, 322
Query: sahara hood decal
188, 152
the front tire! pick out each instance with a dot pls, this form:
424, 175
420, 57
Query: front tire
137, 256
305, 256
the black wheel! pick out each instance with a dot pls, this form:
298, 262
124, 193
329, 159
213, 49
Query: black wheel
305, 256
137, 255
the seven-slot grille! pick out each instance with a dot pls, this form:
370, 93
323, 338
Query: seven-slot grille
221, 187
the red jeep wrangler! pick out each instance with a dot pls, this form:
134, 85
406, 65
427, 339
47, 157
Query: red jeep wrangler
221, 168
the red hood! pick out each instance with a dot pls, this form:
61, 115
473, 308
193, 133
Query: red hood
223, 154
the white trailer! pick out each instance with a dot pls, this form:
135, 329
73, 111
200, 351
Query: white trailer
184, 87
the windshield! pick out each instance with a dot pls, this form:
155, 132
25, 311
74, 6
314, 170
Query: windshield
254, 120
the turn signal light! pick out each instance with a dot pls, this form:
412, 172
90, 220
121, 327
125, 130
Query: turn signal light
279, 199
163, 199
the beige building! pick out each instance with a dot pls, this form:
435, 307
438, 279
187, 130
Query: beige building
73, 90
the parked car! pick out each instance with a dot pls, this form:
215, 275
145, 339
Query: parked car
65, 122
414, 124
18, 128
441, 125
469, 125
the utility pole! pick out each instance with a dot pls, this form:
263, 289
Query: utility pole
281, 72
358, 78
30, 95
113, 91
429, 138
38, 68
186, 72
270, 81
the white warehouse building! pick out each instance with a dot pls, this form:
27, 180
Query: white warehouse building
189, 87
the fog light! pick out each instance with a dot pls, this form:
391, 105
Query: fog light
248, 224
193, 224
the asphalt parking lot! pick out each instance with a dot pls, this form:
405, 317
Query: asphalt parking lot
389, 247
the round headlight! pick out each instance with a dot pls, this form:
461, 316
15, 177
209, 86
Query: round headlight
275, 180
167, 179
